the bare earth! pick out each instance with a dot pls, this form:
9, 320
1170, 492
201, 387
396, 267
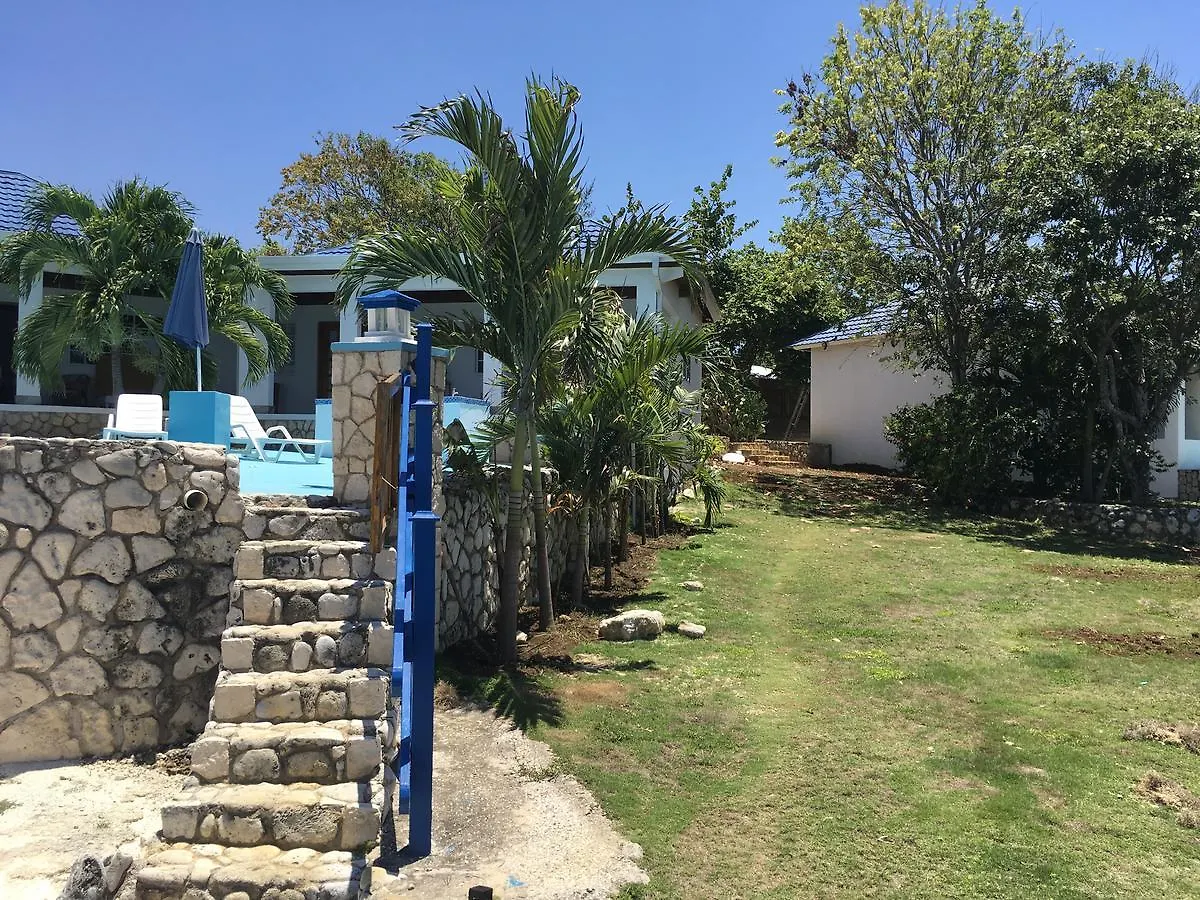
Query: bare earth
499, 819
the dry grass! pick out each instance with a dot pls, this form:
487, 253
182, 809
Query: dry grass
1180, 734
1172, 795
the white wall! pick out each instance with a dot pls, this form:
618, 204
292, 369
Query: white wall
855, 387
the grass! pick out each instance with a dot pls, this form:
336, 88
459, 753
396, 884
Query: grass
880, 708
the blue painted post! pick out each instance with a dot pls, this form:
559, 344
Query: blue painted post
422, 636
402, 599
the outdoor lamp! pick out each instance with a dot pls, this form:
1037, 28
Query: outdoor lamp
388, 315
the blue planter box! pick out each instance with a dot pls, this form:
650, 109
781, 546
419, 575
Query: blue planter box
199, 417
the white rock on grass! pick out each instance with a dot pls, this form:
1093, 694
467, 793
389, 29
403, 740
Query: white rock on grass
632, 625
691, 630
692, 585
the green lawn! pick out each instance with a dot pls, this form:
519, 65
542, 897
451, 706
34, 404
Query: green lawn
877, 710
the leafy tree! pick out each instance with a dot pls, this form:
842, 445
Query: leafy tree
1110, 190
130, 246
355, 185
519, 248
903, 137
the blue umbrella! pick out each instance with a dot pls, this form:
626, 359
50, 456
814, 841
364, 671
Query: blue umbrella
187, 316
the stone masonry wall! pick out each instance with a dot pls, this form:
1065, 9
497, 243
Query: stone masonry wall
52, 422
113, 596
1189, 484
1172, 524
297, 426
469, 591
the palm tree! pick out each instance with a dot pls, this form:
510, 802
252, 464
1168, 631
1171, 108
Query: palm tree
126, 246
520, 250
129, 245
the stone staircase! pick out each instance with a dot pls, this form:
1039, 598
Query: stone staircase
786, 454
286, 797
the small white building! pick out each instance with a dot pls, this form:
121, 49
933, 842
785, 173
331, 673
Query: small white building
858, 381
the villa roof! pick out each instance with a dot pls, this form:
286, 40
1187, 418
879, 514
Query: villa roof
875, 323
15, 191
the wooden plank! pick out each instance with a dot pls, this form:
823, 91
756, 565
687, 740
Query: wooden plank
384, 465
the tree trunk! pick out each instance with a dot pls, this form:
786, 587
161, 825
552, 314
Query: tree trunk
623, 528
1087, 473
583, 534
541, 543
608, 545
510, 585
641, 495
118, 380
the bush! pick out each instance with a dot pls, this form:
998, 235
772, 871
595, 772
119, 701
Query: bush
733, 407
963, 445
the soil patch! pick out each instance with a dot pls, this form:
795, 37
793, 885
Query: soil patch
1187, 572
1172, 795
1132, 644
831, 493
1180, 734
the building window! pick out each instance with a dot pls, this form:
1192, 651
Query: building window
479, 362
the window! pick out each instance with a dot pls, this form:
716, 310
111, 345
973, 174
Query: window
479, 362
77, 357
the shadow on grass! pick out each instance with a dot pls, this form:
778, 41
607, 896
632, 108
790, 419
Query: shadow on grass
888, 501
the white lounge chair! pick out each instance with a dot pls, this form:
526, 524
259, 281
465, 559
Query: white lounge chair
247, 432
138, 416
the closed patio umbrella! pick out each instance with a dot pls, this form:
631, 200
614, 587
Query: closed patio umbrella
187, 316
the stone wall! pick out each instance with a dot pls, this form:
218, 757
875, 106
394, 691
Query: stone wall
52, 421
1189, 484
469, 590
1172, 524
297, 426
113, 596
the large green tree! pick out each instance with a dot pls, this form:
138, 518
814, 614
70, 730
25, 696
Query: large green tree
518, 246
352, 186
903, 136
129, 246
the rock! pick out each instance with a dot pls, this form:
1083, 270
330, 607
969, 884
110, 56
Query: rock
136, 673
53, 551
159, 637
24, 538
21, 505
83, 513
154, 477
77, 675
331, 705
86, 881
194, 659
210, 759
18, 693
55, 486
325, 651
122, 463
88, 472
692, 585
30, 602
106, 557
149, 552
8, 564
97, 598
279, 707
143, 520
733, 457
125, 493
67, 634
256, 766
5, 644
301, 657
691, 630
522, 637
137, 604
33, 652
634, 624
212, 483
205, 457
237, 654
115, 869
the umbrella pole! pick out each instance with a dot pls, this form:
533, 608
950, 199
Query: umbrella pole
199, 382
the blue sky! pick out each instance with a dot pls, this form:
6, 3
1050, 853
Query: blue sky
215, 97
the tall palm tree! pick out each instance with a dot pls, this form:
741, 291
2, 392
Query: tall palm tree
520, 250
130, 245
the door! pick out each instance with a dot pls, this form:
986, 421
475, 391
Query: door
8, 375
327, 333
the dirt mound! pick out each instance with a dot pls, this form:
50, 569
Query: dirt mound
1132, 644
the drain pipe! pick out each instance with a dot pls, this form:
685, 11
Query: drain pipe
658, 285
194, 500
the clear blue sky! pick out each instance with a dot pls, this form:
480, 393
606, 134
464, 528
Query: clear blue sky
213, 97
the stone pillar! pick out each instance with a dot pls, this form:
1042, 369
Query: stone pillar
28, 390
261, 394
358, 367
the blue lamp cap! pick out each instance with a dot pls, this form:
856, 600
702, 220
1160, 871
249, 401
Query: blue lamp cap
388, 300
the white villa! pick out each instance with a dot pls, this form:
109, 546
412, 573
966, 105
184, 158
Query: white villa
857, 382
646, 283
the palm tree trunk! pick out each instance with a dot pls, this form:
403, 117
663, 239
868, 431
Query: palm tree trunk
608, 545
623, 528
541, 543
118, 380
583, 534
510, 585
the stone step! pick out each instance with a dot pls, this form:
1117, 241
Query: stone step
305, 559
286, 601
305, 646
316, 816
178, 870
286, 752
319, 695
310, 501
307, 524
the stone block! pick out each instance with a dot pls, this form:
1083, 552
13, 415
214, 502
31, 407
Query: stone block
66, 634
77, 675
233, 702
87, 472
106, 557
137, 603
366, 698
363, 758
149, 552
136, 673
52, 550
194, 659
210, 759
125, 493
33, 652
284, 707
248, 563
237, 654
159, 637
143, 520
97, 598
256, 766
260, 607
18, 693
379, 645
122, 463
41, 733
21, 505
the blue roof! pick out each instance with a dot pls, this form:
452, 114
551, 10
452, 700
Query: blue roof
876, 323
15, 192
329, 251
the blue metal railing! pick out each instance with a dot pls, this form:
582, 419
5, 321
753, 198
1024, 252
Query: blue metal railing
414, 599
